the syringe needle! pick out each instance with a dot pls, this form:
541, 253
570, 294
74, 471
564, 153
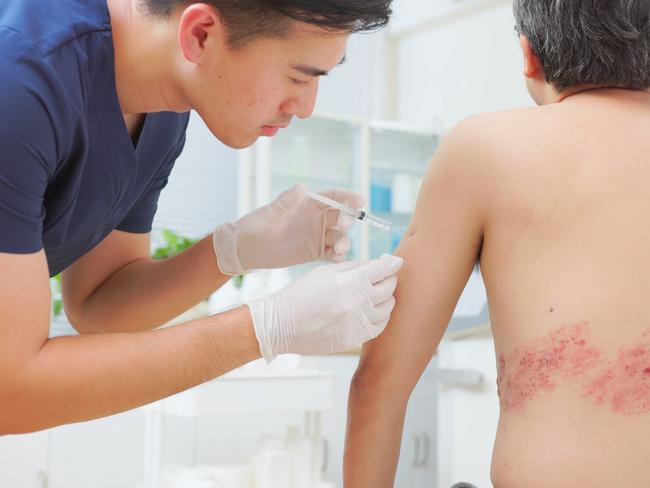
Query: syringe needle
359, 214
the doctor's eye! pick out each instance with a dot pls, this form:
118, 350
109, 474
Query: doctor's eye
298, 82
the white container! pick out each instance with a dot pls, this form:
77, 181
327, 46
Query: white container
188, 478
272, 463
402, 194
236, 476
300, 449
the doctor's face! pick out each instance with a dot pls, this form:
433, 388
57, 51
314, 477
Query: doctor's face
256, 90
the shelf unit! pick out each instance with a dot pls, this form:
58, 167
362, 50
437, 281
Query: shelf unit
328, 151
383, 160
255, 391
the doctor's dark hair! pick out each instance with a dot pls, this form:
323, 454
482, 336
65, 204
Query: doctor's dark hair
249, 19
604, 43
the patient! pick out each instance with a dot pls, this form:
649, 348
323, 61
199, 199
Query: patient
554, 202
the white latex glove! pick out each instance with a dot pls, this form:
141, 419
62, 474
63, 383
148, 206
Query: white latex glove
332, 308
293, 229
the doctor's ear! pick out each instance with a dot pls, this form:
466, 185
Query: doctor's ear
532, 65
200, 27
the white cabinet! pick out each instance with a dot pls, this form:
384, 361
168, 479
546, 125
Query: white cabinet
257, 391
398, 157
418, 461
24, 460
383, 161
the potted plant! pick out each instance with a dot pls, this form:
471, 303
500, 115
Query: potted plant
172, 244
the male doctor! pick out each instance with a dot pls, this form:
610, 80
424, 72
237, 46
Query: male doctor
94, 101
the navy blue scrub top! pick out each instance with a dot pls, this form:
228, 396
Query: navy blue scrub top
69, 172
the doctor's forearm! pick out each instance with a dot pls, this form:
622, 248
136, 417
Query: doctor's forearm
78, 378
146, 293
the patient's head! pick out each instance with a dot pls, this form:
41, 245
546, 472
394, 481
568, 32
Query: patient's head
576, 44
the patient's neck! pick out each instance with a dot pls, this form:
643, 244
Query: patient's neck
600, 90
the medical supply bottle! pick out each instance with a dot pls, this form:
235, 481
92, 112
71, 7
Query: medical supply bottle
300, 450
272, 463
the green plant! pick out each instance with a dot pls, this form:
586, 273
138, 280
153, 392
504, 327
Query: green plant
238, 281
57, 302
174, 244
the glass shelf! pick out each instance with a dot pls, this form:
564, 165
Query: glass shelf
319, 150
281, 182
384, 161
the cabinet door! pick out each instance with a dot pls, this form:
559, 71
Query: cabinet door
398, 161
23, 460
322, 152
418, 457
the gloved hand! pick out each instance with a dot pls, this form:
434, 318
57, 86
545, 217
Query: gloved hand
293, 229
332, 308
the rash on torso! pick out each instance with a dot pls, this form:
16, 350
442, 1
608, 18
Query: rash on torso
567, 356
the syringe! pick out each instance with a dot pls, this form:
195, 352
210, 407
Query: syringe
358, 214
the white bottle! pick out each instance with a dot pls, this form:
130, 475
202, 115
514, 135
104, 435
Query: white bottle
272, 463
188, 478
401, 194
235, 476
300, 449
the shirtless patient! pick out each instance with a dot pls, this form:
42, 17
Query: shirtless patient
555, 203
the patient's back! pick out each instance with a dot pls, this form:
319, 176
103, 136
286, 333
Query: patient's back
566, 262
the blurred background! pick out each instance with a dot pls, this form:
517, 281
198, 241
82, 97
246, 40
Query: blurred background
378, 120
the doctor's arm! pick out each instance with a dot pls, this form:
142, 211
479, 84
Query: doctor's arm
442, 245
117, 287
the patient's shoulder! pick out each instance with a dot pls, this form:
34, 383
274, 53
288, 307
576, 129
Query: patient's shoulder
491, 130
504, 142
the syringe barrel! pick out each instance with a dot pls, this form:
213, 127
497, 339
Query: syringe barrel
378, 222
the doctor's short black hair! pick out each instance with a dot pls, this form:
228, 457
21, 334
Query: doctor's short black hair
603, 43
249, 19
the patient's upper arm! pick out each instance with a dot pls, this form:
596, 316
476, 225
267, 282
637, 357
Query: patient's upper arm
440, 249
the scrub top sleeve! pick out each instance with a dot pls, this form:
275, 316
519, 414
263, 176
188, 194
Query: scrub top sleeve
139, 220
28, 158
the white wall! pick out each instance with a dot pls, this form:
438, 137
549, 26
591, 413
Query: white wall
356, 87
202, 189
459, 65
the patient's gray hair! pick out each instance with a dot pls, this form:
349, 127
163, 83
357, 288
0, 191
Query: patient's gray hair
589, 42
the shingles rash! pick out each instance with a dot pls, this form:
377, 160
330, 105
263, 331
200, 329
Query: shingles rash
625, 385
565, 356
558, 357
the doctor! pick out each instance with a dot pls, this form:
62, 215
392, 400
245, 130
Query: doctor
94, 101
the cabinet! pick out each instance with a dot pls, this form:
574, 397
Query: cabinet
385, 161
24, 460
418, 461
252, 391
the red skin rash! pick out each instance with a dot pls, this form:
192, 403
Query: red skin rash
564, 356
625, 384
560, 356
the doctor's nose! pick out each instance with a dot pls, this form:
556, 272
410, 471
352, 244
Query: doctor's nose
302, 105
